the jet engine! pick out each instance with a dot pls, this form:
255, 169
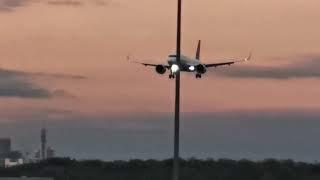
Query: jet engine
201, 69
161, 69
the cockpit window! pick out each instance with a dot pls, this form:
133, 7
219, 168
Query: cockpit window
173, 56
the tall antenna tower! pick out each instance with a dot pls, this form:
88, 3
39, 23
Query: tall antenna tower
43, 143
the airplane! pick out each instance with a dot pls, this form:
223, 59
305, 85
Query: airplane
188, 64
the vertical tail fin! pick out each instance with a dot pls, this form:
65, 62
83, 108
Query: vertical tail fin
198, 50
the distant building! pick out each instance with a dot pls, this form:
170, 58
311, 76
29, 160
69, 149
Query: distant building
50, 152
1, 163
5, 147
14, 155
37, 155
10, 163
8, 157
45, 151
43, 137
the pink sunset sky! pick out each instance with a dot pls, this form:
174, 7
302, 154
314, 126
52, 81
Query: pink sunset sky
70, 56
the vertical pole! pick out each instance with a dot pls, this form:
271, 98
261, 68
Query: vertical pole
177, 99
43, 143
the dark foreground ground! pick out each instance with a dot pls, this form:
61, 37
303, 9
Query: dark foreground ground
192, 169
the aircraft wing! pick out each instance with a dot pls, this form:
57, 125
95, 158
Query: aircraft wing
228, 62
146, 64
219, 64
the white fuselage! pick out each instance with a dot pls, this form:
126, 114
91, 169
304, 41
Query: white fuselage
186, 63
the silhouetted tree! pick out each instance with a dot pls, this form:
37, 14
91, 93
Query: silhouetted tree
191, 169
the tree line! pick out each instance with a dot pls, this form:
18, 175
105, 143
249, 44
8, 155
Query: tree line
191, 169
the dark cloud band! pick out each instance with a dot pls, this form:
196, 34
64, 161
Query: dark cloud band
65, 2
10, 5
12, 87
19, 84
307, 67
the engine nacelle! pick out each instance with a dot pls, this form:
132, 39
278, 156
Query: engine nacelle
161, 69
201, 69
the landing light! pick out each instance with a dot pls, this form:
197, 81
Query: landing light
174, 68
191, 68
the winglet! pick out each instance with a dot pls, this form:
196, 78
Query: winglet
131, 59
249, 57
198, 50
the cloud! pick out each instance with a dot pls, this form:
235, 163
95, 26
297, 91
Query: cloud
6, 73
19, 84
61, 93
105, 2
51, 75
80, 2
65, 2
12, 87
305, 67
9, 5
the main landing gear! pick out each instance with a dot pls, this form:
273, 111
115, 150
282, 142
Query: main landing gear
198, 76
171, 76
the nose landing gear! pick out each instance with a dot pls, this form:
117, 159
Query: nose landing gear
171, 76
198, 76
